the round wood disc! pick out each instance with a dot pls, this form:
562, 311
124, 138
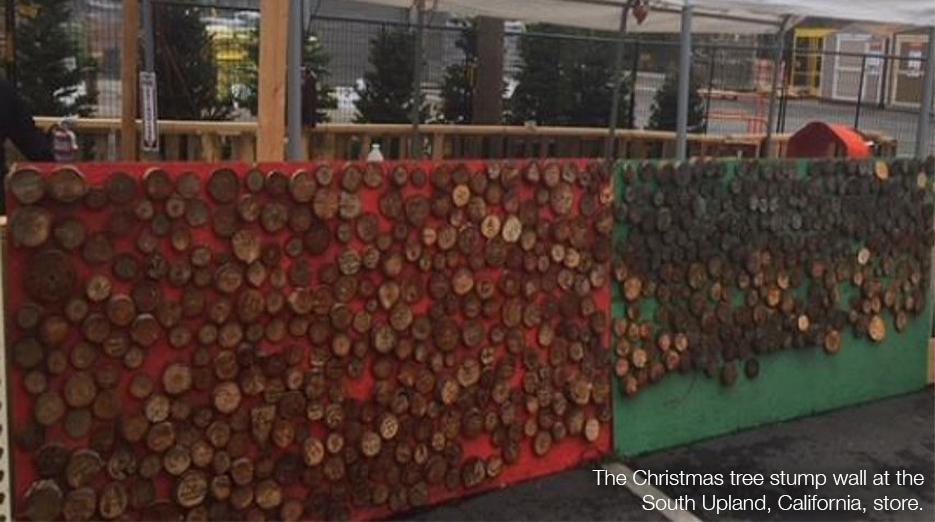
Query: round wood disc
246, 245
224, 186
83, 469
30, 226
877, 328
50, 277
77, 423
49, 408
592, 429
177, 378
80, 504
69, 234
66, 185
27, 186
226, 397
80, 390
157, 184
97, 249
44, 500
113, 501
302, 186
832, 341
191, 489
107, 405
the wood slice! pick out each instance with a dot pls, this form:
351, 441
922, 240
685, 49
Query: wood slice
30, 226
66, 185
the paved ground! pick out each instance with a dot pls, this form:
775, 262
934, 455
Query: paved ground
891, 434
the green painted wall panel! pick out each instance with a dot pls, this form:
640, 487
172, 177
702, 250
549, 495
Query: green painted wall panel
684, 408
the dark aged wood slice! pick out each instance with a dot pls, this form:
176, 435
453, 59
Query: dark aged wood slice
83, 469
66, 185
50, 277
274, 216
49, 408
30, 226
157, 184
44, 500
97, 249
302, 186
176, 460
113, 501
107, 405
69, 234
161, 436
28, 353
27, 186
28, 315
145, 330
51, 460
80, 505
80, 390
224, 186
35, 382
246, 245
191, 489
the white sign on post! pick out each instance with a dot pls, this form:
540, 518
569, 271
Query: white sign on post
150, 136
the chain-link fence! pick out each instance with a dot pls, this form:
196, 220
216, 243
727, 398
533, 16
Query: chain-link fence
206, 59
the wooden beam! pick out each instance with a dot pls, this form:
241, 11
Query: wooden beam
129, 79
271, 129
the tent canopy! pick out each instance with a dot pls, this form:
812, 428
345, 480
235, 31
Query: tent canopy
711, 16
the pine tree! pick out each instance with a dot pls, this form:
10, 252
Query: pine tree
458, 85
52, 66
314, 56
665, 106
386, 94
186, 68
566, 82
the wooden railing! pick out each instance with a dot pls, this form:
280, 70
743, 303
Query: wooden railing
216, 141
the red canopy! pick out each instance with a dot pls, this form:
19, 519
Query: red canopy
821, 140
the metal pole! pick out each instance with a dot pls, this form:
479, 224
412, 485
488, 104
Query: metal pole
618, 80
685, 56
294, 83
9, 26
416, 111
634, 71
860, 91
777, 64
924, 129
149, 49
707, 110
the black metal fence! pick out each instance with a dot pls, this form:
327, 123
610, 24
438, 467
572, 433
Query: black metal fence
733, 74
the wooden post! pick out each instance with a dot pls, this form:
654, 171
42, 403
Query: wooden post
271, 121
129, 80
488, 95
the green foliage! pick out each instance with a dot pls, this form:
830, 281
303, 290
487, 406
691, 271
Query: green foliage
314, 56
386, 94
566, 82
51, 62
665, 106
186, 68
458, 85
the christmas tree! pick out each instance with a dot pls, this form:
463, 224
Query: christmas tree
186, 69
53, 67
314, 57
566, 81
665, 106
386, 93
458, 85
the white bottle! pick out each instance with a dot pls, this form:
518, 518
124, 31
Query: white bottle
375, 154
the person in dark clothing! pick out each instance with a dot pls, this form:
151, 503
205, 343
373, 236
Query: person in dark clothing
309, 98
17, 125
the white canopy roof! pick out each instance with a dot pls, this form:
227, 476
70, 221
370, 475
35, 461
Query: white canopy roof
711, 16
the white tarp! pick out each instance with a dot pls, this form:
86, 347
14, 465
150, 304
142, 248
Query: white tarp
711, 16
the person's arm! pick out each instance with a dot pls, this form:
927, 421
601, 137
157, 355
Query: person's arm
22, 131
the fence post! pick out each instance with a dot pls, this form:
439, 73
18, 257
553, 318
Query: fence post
860, 91
777, 63
129, 79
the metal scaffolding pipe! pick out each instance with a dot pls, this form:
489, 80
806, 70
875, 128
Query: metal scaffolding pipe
618, 80
777, 64
685, 67
416, 109
294, 83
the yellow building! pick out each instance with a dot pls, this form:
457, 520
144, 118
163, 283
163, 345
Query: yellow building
807, 46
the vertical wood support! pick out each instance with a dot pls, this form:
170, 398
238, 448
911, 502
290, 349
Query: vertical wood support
129, 80
271, 121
